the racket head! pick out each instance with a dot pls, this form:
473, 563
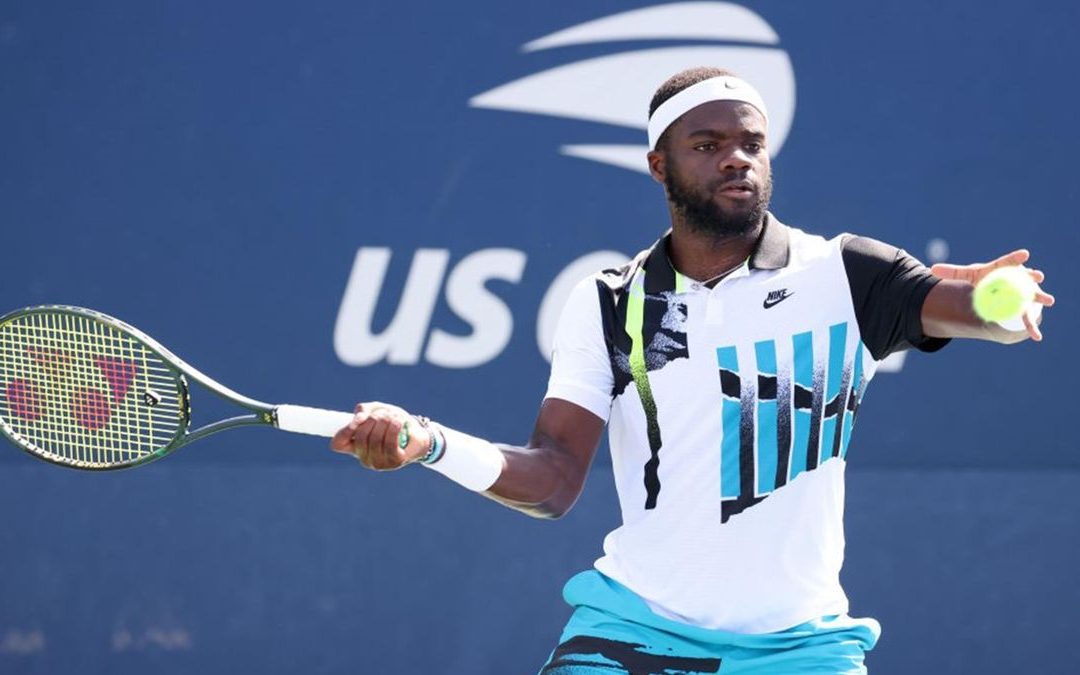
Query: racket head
81, 389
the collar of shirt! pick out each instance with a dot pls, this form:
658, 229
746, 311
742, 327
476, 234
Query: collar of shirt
772, 252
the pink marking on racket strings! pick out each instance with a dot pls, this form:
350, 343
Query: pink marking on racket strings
91, 408
23, 399
119, 373
52, 359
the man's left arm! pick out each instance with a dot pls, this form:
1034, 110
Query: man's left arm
948, 312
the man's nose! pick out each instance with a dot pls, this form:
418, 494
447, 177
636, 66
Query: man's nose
736, 160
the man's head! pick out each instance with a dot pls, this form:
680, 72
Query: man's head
707, 129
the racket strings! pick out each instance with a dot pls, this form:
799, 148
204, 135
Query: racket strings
84, 392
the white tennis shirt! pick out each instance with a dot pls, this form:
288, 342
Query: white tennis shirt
729, 413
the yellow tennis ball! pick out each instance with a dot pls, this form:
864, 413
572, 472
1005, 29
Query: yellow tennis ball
1003, 294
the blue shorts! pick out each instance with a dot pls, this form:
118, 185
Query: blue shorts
613, 631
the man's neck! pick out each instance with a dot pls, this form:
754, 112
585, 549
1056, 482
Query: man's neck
702, 256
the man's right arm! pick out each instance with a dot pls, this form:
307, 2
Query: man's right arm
545, 477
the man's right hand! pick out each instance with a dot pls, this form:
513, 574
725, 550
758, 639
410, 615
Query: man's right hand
372, 437
542, 479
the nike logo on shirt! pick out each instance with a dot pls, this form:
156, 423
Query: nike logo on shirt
776, 297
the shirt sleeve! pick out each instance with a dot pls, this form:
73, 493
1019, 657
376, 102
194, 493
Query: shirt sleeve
580, 367
888, 288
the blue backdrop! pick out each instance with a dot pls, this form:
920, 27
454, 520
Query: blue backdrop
251, 183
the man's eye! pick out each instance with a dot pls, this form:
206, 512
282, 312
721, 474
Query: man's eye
753, 147
705, 147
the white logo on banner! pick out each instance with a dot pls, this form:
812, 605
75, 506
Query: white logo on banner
616, 88
402, 341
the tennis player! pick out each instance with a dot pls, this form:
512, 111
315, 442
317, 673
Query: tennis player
728, 362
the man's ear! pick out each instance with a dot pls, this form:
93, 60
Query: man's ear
657, 165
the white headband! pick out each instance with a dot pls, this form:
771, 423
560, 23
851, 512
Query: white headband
714, 89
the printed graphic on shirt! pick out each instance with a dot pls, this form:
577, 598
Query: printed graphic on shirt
645, 329
653, 335
778, 425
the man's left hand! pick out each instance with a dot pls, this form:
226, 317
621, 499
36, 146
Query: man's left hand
975, 272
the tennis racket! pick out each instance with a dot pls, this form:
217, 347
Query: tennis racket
84, 390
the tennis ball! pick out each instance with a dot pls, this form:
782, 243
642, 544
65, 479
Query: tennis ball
1003, 294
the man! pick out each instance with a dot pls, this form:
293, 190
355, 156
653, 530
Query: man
728, 362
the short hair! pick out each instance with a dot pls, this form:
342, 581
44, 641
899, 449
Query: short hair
676, 83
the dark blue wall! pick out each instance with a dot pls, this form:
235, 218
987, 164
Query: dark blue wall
209, 174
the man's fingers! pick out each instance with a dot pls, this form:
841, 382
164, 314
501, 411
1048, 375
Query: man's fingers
373, 444
1032, 328
360, 445
342, 440
382, 450
382, 456
1044, 298
370, 407
359, 418
975, 272
1017, 257
372, 436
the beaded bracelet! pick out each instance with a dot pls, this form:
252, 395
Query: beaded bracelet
436, 443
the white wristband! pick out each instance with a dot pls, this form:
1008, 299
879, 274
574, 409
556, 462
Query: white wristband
469, 461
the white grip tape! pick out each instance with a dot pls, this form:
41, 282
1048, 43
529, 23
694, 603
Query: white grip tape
315, 421
469, 461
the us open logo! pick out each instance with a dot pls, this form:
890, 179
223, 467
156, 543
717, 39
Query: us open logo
616, 88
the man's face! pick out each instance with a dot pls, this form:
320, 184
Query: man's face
715, 168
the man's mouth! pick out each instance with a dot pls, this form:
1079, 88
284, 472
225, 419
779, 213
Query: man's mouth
740, 189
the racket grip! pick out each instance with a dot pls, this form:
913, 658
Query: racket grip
315, 421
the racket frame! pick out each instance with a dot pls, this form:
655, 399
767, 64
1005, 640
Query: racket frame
262, 414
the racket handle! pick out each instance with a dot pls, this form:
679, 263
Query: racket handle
300, 419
